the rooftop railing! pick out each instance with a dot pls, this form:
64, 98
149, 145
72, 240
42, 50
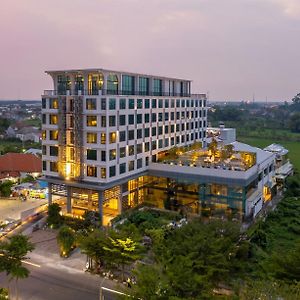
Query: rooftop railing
117, 93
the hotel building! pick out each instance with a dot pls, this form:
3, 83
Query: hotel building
102, 131
113, 140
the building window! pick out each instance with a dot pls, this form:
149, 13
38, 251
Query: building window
131, 104
44, 103
91, 171
131, 150
103, 121
53, 119
153, 129
112, 154
122, 137
91, 154
112, 84
53, 166
130, 119
44, 135
139, 148
44, 165
112, 137
144, 86
147, 132
154, 103
160, 143
122, 103
112, 171
103, 138
91, 121
44, 119
153, 117
122, 152
160, 117
103, 155
44, 150
153, 145
112, 121
139, 103
139, 133
160, 130
53, 151
103, 173
91, 104
122, 168
147, 103
53, 135
128, 85
139, 163
166, 103
91, 138
130, 135
147, 145
53, 104
122, 120
160, 103
103, 104
131, 165
147, 118
112, 104
139, 118
157, 87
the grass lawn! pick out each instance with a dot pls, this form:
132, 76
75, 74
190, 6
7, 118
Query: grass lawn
293, 147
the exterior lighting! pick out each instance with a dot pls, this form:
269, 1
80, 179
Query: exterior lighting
68, 170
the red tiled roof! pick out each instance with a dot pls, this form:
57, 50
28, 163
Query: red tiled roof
20, 162
13, 174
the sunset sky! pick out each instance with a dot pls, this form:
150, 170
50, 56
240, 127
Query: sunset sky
231, 48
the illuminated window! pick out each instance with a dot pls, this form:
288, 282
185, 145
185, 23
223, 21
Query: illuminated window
103, 173
91, 104
91, 138
122, 152
44, 136
53, 103
53, 166
131, 165
112, 137
91, 171
103, 138
53, 135
112, 154
91, 121
53, 119
131, 150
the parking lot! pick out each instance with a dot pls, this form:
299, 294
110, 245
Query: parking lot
11, 208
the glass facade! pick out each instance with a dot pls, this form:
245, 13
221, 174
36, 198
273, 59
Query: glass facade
128, 85
144, 86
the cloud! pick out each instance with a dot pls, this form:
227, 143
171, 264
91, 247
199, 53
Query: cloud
290, 8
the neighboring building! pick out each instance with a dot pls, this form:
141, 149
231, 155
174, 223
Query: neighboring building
283, 166
221, 134
14, 166
36, 152
103, 129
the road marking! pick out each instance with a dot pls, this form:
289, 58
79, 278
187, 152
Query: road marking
31, 264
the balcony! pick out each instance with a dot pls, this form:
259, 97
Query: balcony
52, 93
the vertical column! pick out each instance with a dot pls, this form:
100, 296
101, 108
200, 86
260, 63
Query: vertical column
100, 206
120, 200
49, 193
69, 200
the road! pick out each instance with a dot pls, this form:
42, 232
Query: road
51, 284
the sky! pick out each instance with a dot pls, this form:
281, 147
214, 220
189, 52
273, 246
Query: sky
232, 49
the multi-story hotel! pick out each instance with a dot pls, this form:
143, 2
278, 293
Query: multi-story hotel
113, 140
102, 130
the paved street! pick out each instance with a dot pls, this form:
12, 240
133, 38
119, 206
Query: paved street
56, 278
10, 208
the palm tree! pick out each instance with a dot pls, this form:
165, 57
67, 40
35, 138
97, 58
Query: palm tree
12, 255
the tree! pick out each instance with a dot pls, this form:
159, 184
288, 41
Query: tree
65, 240
12, 255
5, 188
213, 146
54, 218
122, 252
294, 122
3, 294
93, 246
